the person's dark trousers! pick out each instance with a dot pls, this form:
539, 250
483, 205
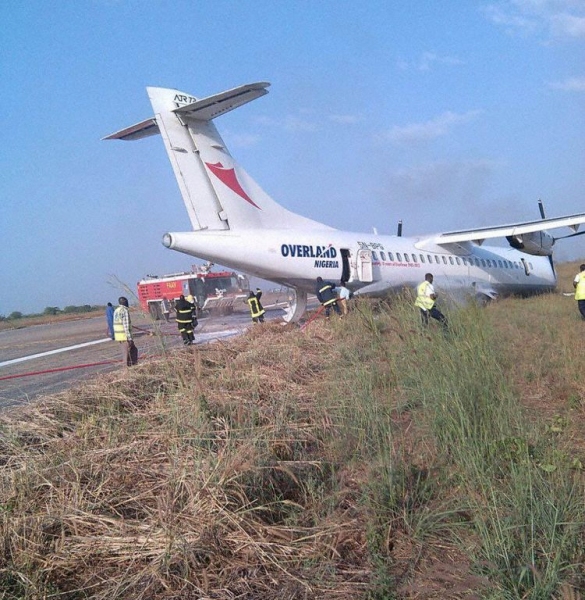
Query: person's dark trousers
439, 316
435, 313
581, 305
333, 306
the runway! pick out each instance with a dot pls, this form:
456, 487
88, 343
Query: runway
46, 359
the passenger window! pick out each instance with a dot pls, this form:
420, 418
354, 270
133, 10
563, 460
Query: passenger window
500, 264
429, 258
375, 256
422, 258
406, 257
489, 262
457, 261
390, 256
398, 257
444, 260
437, 259
383, 255
451, 260
483, 262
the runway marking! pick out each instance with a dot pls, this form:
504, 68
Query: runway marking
200, 338
49, 352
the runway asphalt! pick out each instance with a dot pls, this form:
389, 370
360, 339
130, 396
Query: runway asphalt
33, 362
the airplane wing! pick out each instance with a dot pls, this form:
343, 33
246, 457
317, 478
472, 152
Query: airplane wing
513, 230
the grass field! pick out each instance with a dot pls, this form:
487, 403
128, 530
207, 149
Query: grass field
356, 458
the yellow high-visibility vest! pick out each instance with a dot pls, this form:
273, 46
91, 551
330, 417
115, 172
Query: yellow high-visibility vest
580, 289
120, 314
422, 300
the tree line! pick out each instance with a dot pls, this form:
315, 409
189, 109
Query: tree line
53, 310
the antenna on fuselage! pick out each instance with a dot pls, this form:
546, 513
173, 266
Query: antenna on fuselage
399, 231
541, 209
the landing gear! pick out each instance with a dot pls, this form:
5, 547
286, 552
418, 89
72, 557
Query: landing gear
297, 304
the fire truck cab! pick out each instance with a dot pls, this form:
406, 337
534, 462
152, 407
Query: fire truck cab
213, 292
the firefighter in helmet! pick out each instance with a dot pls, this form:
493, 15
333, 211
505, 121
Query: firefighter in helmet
327, 296
185, 314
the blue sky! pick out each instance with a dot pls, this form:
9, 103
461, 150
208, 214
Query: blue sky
445, 114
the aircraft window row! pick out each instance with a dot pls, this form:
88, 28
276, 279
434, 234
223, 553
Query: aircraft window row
465, 261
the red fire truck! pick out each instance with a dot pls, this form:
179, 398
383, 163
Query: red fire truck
213, 292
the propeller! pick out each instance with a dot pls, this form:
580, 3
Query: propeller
561, 237
564, 237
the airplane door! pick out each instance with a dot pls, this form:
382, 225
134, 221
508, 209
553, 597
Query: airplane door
364, 265
345, 272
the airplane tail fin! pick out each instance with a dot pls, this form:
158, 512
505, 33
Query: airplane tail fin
217, 192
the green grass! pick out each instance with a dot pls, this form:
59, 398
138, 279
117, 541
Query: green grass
358, 458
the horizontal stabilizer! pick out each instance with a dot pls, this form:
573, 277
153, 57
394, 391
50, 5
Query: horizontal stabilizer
208, 108
135, 132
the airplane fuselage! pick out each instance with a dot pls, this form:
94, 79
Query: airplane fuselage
372, 264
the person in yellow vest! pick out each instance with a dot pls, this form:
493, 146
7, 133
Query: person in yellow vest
579, 285
123, 332
256, 309
426, 297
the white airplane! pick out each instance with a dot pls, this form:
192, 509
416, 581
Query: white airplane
236, 224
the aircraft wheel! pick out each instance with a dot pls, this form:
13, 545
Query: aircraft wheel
297, 305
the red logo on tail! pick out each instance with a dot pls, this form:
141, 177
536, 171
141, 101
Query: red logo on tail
228, 177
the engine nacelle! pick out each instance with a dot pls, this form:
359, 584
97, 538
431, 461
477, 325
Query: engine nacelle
537, 243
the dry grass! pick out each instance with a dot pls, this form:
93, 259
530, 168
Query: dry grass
282, 464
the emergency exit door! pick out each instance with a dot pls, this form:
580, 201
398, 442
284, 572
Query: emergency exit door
364, 265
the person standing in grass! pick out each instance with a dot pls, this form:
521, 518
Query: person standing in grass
123, 332
579, 285
344, 295
426, 299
